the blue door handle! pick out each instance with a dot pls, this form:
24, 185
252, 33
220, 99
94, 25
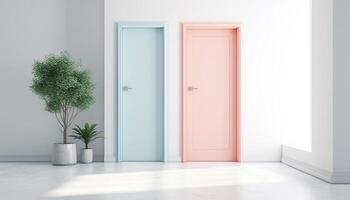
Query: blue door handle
126, 88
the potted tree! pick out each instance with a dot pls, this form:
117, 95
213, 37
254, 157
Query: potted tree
66, 91
87, 134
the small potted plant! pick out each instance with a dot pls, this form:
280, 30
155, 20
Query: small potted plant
87, 134
66, 91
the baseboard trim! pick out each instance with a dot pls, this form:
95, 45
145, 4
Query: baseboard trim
109, 158
37, 158
308, 169
341, 177
25, 158
98, 158
329, 177
174, 158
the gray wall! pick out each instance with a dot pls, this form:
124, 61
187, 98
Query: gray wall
341, 88
30, 30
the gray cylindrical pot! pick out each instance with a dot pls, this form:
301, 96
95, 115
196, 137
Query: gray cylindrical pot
64, 154
86, 156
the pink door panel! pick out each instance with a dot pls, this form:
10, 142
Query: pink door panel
210, 95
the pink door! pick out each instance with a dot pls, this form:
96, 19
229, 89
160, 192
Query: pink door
209, 93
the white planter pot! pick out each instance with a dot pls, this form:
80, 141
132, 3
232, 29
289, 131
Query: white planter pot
86, 155
64, 154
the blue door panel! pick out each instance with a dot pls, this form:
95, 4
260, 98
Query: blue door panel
142, 81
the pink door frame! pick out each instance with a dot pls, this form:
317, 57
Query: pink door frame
198, 26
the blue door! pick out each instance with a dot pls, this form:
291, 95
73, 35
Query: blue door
141, 93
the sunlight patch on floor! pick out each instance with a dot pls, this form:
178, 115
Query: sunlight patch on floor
163, 180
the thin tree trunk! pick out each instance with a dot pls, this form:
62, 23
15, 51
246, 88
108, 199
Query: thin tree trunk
65, 117
65, 123
65, 135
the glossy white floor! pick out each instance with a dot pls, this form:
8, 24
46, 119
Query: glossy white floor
159, 181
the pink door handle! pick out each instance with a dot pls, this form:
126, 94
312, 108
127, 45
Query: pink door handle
190, 88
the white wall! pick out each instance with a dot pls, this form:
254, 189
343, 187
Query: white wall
31, 29
275, 70
322, 83
329, 158
295, 77
319, 161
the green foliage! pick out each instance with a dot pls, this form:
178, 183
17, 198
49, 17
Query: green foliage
87, 134
59, 82
65, 89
